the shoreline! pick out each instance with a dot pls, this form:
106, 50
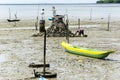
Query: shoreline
72, 22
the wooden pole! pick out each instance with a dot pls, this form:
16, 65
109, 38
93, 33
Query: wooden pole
108, 22
9, 13
91, 14
38, 16
78, 22
15, 24
44, 52
15, 19
67, 33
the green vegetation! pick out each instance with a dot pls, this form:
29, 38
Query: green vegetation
108, 1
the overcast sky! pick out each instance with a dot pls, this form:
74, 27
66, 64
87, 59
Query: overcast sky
48, 1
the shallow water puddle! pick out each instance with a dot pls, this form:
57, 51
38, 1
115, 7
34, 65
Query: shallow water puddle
3, 58
116, 44
87, 26
21, 28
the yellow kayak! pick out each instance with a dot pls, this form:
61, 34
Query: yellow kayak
86, 51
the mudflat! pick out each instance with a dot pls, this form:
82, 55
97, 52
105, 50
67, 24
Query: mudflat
18, 49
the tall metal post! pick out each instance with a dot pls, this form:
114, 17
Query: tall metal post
44, 73
44, 52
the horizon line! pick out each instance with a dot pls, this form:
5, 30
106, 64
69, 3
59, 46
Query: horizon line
43, 3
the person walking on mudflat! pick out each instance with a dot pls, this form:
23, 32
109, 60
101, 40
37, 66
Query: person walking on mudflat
54, 11
36, 24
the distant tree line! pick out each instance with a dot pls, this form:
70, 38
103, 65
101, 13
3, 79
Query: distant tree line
108, 1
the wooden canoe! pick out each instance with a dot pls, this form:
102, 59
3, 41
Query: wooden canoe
86, 51
13, 20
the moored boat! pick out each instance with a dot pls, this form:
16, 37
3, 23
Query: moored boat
86, 51
13, 20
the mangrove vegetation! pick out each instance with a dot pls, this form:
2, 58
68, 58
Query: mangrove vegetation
108, 1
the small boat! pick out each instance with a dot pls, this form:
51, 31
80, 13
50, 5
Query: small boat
13, 20
86, 51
